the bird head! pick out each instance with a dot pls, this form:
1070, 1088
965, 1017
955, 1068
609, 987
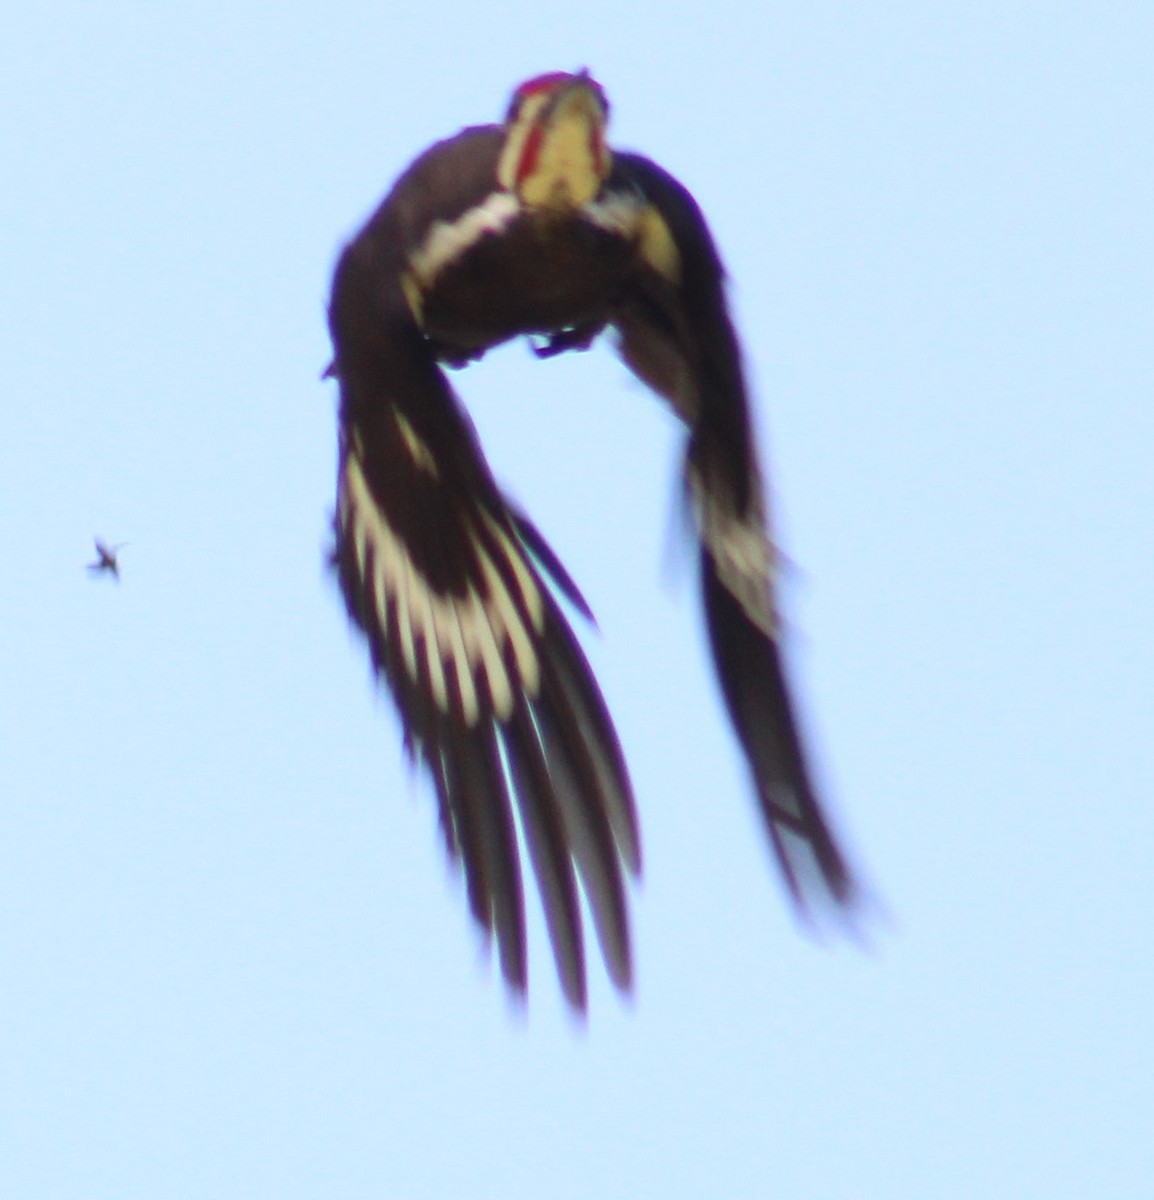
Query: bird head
555, 157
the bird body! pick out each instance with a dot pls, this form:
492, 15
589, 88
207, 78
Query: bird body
536, 227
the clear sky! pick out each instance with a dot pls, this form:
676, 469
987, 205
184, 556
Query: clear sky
234, 962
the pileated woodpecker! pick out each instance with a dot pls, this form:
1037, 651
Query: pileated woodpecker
535, 227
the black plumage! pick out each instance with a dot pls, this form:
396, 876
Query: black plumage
535, 227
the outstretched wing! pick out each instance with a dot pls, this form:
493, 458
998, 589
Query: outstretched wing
447, 582
676, 335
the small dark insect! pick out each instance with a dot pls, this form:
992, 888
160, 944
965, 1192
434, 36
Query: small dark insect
106, 562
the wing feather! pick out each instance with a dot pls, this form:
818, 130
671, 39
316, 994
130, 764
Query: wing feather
547, 841
480, 801
449, 585
677, 336
588, 833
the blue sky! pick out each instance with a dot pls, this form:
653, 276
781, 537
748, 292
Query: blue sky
233, 959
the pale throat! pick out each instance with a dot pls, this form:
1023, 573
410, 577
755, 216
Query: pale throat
559, 163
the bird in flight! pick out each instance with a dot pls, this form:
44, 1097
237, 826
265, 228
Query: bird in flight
535, 227
106, 561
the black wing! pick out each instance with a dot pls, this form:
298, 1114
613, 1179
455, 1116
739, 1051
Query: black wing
447, 582
676, 335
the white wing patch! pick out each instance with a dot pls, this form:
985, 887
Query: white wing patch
746, 559
421, 454
618, 213
447, 240
625, 214
630, 216
463, 638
